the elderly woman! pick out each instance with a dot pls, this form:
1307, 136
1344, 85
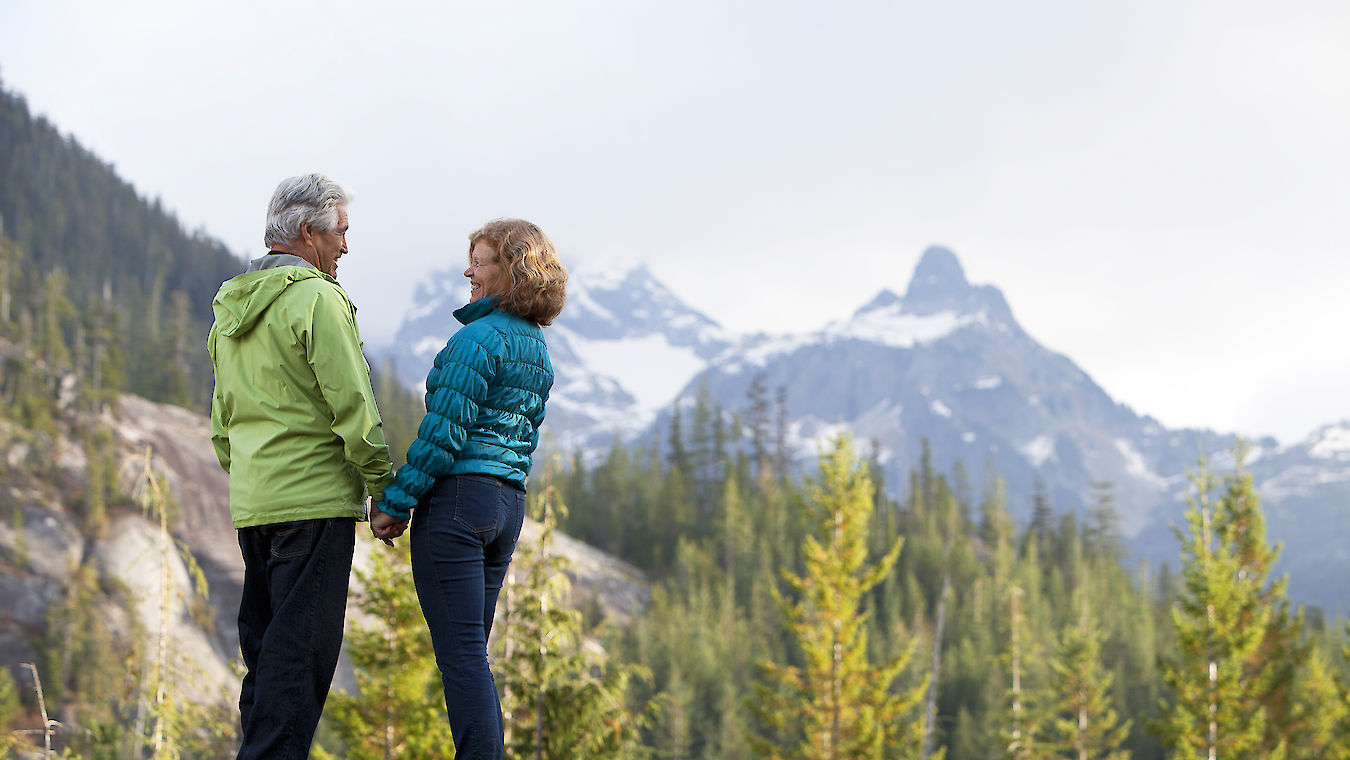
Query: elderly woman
465, 474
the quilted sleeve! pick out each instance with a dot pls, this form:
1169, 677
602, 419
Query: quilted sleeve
456, 386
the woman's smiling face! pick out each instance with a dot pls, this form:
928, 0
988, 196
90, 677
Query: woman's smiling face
486, 275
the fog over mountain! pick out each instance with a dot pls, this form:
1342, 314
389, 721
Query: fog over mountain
945, 363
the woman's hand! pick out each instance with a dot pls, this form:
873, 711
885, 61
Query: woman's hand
385, 527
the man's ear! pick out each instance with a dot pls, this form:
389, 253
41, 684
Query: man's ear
307, 233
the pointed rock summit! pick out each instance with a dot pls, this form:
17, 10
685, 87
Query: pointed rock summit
938, 275
939, 284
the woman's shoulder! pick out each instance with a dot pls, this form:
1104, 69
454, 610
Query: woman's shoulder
512, 327
478, 333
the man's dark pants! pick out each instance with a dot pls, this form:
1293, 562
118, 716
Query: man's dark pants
290, 630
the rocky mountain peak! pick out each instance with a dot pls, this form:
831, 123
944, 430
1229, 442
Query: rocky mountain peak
939, 285
938, 275
886, 299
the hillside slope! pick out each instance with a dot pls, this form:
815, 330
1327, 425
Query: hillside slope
44, 539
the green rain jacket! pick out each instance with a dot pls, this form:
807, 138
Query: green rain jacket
293, 418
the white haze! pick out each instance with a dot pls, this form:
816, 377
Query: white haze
1159, 188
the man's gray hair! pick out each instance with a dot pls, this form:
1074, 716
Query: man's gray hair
308, 199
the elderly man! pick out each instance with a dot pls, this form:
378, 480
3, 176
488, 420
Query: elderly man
294, 423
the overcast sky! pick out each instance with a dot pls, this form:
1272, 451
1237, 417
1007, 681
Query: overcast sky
1160, 188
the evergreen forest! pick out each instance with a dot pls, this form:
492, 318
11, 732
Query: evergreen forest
823, 613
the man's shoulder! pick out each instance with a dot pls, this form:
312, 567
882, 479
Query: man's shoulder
312, 285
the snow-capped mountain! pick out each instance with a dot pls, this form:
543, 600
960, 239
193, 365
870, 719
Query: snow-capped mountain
623, 348
946, 363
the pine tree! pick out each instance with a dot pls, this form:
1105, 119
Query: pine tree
1027, 735
1321, 713
1272, 670
757, 423
837, 705
100, 480
56, 313
10, 263
1220, 621
1086, 726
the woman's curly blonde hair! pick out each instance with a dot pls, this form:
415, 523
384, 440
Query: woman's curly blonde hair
538, 279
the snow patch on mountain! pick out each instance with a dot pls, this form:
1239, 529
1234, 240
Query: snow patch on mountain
580, 299
1300, 480
1134, 463
887, 325
1039, 450
648, 367
758, 351
1331, 442
891, 326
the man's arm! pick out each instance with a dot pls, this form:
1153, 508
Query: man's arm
220, 424
334, 351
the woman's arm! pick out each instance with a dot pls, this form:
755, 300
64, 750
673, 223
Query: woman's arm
457, 385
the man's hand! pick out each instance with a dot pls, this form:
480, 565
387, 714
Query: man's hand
385, 527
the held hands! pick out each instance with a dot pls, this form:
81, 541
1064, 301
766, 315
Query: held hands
385, 527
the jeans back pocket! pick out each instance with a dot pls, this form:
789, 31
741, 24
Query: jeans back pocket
478, 502
293, 539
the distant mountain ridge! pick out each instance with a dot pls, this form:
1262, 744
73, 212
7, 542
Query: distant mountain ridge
946, 363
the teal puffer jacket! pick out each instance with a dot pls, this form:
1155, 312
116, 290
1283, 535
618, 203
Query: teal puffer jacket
485, 402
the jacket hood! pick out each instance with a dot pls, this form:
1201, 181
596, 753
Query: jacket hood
242, 300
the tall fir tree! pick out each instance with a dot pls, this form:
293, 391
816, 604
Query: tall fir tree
836, 704
1027, 732
1215, 711
1272, 670
1320, 713
1086, 726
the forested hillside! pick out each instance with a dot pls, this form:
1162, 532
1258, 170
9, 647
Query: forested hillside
1004, 641
119, 272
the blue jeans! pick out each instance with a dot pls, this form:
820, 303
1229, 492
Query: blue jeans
463, 534
290, 630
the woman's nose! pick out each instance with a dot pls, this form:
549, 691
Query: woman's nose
469, 272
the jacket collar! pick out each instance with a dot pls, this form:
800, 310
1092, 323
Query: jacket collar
275, 259
474, 310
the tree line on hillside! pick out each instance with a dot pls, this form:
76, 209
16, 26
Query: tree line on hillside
110, 284
815, 618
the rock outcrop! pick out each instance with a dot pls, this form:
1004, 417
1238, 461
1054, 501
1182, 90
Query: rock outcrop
42, 542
